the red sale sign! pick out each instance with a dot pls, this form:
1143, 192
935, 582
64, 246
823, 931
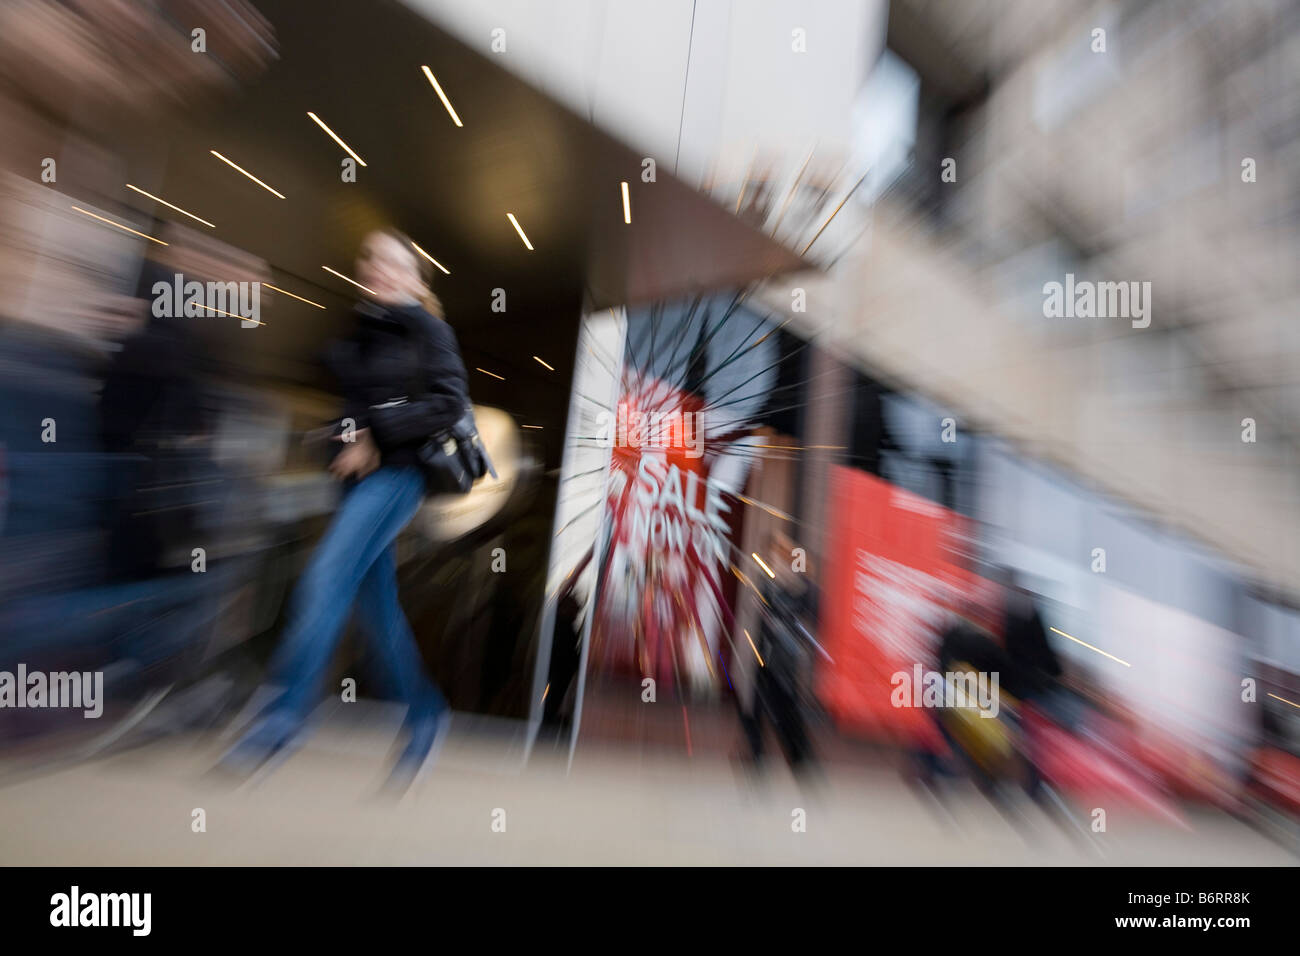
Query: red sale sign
895, 572
662, 603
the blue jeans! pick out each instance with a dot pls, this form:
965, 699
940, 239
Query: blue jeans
354, 563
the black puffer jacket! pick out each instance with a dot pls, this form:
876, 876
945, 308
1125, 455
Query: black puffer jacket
401, 376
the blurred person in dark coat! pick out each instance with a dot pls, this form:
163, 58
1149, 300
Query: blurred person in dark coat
151, 412
566, 657
786, 649
1034, 666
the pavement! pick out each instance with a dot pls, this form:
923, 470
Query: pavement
483, 804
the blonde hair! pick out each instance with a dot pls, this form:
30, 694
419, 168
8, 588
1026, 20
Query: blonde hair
430, 302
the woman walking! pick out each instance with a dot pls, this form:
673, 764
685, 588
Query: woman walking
402, 380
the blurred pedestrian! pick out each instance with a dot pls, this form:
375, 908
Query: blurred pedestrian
402, 380
785, 649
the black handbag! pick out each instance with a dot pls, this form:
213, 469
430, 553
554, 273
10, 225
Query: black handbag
454, 458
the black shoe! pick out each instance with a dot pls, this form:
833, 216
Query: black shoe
270, 742
421, 752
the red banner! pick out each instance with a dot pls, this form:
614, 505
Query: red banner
661, 610
895, 571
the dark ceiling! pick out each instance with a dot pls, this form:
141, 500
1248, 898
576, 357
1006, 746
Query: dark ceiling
358, 67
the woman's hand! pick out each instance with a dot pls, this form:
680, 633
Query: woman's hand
358, 459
